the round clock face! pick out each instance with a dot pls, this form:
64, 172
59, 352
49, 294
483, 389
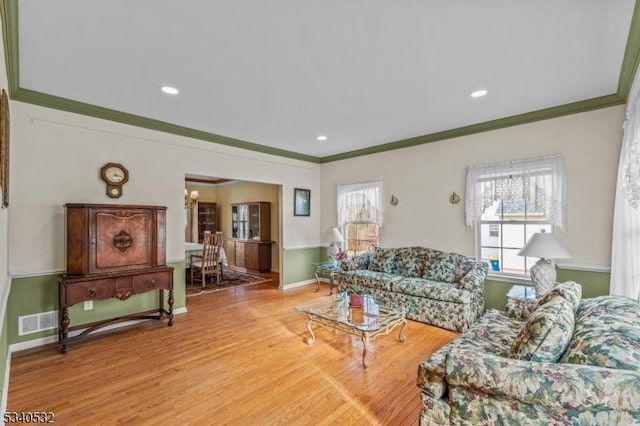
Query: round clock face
114, 174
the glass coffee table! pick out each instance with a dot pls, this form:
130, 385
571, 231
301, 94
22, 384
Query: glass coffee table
373, 319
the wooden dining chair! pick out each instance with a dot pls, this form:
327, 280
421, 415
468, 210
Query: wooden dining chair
219, 241
219, 238
207, 263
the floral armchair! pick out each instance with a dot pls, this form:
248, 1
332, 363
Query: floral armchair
571, 362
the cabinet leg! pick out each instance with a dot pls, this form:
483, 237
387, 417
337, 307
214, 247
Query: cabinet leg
171, 302
63, 334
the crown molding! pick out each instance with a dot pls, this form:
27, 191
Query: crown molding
9, 15
64, 104
501, 123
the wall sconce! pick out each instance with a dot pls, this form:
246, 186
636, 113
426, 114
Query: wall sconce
190, 199
454, 198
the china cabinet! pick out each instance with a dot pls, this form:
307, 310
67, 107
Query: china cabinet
250, 246
207, 219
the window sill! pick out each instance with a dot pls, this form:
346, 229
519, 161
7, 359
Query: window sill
513, 279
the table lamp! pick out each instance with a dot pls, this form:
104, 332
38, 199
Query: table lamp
334, 236
543, 272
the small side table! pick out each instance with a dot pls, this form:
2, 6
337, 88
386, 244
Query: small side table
326, 270
521, 302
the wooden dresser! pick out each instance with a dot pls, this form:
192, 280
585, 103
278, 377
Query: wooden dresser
114, 251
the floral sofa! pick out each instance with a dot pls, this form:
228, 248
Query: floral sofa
570, 362
437, 288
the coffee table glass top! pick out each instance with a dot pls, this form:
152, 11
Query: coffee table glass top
372, 316
329, 264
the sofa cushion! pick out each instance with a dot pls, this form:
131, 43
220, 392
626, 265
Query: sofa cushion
434, 290
494, 333
570, 290
440, 267
546, 333
410, 261
607, 334
370, 279
383, 260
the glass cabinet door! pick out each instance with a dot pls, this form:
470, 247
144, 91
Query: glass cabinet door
250, 221
243, 226
254, 221
234, 221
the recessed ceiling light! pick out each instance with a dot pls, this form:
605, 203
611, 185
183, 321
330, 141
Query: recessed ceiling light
479, 93
169, 90
322, 138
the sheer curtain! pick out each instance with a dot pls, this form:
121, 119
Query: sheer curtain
360, 201
541, 180
625, 249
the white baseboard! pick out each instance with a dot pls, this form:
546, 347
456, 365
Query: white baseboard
16, 347
5, 388
299, 284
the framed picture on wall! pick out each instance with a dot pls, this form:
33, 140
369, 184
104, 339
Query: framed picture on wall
4, 148
301, 202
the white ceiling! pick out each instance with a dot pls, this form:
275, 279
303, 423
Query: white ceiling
363, 72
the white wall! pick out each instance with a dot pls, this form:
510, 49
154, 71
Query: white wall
424, 176
57, 160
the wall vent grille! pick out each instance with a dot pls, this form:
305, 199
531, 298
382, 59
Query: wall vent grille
28, 324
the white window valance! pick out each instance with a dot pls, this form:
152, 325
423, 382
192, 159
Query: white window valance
360, 201
541, 181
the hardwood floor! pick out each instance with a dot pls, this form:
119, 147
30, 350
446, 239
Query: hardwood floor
237, 357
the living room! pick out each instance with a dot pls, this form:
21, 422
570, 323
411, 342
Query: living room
56, 155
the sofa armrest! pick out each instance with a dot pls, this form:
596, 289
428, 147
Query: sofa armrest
431, 374
473, 280
559, 387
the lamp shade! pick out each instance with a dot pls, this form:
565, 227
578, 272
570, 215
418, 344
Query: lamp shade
332, 234
545, 246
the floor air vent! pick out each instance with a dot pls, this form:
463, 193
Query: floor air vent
38, 322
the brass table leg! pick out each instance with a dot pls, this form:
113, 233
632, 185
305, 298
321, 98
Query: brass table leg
311, 339
365, 342
401, 336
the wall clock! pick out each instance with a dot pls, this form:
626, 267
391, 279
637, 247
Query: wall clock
115, 176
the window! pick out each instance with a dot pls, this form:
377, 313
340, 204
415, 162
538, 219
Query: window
360, 215
508, 203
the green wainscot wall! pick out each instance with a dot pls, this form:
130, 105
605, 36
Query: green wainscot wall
297, 264
33, 295
4, 355
593, 284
